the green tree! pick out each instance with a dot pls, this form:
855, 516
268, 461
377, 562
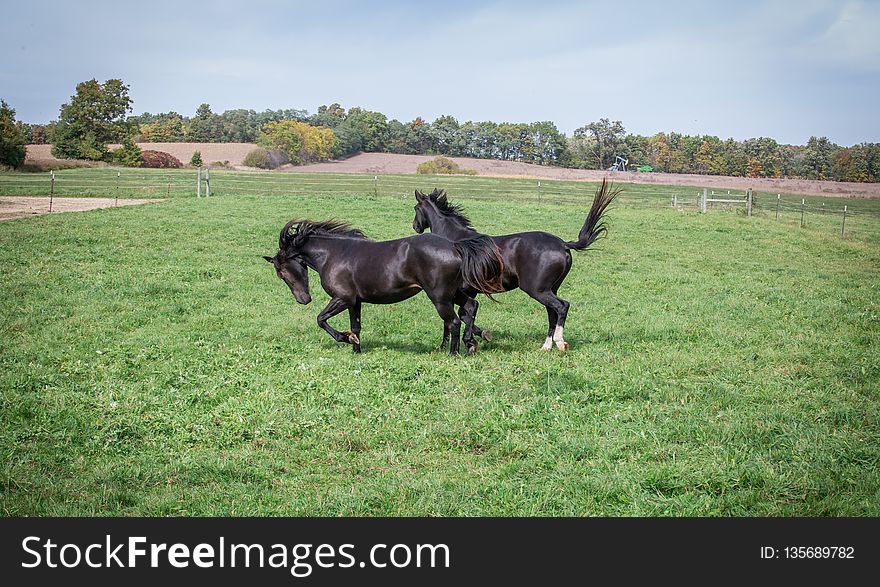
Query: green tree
603, 140
12, 139
205, 127
94, 117
329, 116
817, 158
444, 135
371, 127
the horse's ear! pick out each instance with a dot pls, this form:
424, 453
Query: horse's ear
420, 196
266, 257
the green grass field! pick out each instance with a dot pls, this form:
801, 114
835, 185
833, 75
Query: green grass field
152, 364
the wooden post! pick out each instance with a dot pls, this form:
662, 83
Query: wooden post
703, 201
199, 183
116, 202
376, 185
539, 189
843, 224
674, 201
207, 183
749, 202
169, 189
51, 192
803, 203
777, 206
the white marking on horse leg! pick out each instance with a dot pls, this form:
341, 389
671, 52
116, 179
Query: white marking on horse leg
559, 340
548, 344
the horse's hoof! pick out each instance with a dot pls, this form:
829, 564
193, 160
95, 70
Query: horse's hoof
562, 346
353, 338
472, 349
486, 335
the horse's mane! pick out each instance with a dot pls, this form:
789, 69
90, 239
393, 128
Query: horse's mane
295, 232
447, 208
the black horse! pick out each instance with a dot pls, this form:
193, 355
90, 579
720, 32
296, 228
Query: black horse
536, 262
355, 269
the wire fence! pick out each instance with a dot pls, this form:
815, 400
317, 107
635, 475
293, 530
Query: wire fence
847, 217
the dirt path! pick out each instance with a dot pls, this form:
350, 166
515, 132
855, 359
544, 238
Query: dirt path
21, 206
388, 163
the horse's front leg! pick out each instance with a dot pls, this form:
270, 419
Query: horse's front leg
335, 306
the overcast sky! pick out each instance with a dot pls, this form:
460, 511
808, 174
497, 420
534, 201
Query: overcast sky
782, 69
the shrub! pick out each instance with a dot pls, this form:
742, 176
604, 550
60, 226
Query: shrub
220, 163
443, 166
159, 159
265, 159
129, 154
196, 160
277, 158
258, 157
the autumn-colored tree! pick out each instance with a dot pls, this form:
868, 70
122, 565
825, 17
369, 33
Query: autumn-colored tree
302, 142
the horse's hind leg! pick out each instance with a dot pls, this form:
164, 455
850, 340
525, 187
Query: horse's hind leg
354, 317
552, 318
557, 305
335, 306
467, 313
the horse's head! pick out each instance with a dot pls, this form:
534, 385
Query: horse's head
293, 271
422, 221
289, 263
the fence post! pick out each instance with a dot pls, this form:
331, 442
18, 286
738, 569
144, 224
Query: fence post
539, 190
777, 206
199, 183
803, 203
749, 202
703, 200
207, 183
51, 192
116, 202
843, 224
674, 201
376, 185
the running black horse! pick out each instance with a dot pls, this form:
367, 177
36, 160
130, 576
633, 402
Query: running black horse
354, 269
536, 262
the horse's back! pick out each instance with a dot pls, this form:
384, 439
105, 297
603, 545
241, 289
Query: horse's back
386, 272
532, 258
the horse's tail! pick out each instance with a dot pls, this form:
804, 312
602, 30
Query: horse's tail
593, 227
481, 264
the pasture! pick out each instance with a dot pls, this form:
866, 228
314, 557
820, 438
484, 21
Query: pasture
152, 364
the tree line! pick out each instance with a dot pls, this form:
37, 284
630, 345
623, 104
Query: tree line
98, 114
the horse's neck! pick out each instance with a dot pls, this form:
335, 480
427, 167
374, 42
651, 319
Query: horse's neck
317, 252
447, 228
